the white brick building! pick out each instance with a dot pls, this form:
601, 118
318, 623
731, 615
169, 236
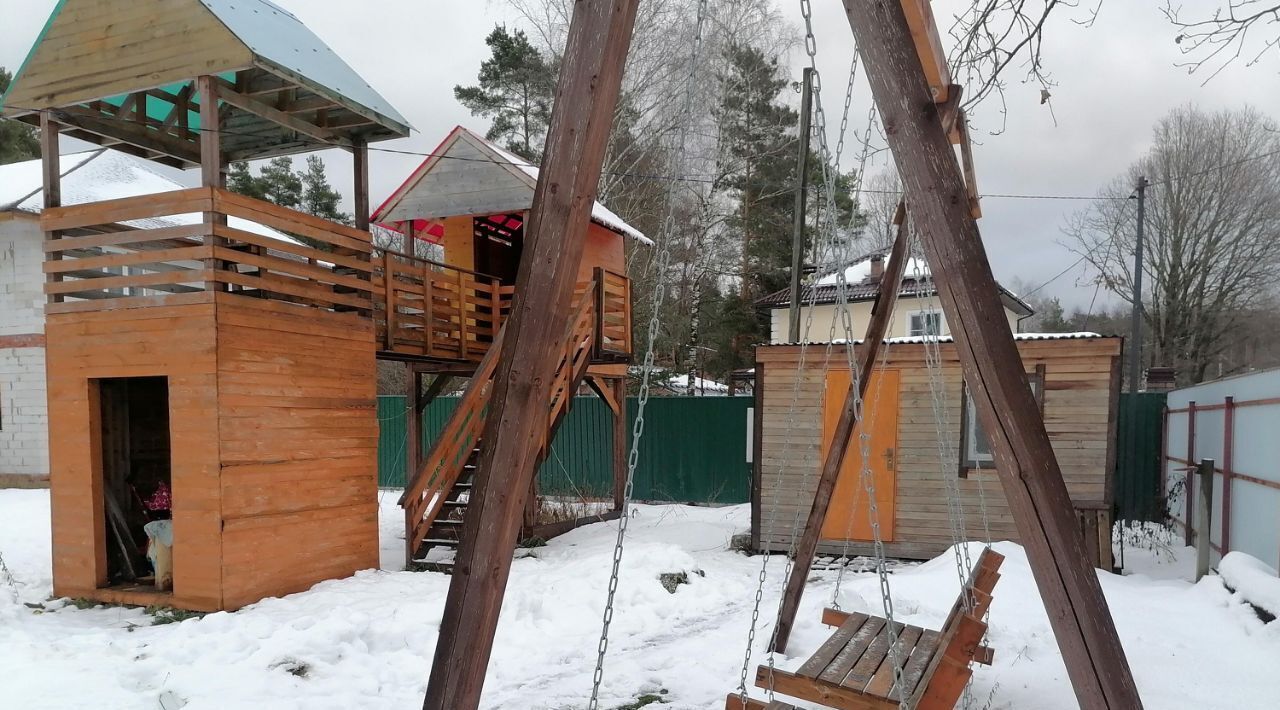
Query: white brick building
87, 177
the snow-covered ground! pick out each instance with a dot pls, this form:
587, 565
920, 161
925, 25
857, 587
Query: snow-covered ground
367, 641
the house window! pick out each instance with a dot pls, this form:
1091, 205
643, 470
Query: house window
924, 323
975, 446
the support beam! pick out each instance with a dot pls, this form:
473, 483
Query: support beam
586, 96
51, 180
213, 171
620, 443
131, 133
993, 370
275, 115
877, 328
360, 158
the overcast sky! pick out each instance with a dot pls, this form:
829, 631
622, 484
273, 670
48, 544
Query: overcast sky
1115, 79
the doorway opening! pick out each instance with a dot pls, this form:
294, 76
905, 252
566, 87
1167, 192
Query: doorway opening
136, 481
499, 241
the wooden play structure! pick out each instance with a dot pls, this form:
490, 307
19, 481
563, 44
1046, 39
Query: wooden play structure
211, 357
472, 198
901, 54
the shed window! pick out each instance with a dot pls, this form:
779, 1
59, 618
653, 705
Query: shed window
975, 446
924, 323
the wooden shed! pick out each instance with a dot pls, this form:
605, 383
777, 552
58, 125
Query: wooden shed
1075, 376
211, 379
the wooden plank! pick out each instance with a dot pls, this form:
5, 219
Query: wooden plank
827, 694
590, 81
51, 182
130, 237
830, 648
105, 212
1025, 459
853, 651
275, 115
289, 247
882, 679
881, 316
158, 256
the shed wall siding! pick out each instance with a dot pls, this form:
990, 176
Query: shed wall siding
1077, 407
298, 445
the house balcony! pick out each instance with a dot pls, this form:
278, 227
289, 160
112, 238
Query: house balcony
184, 246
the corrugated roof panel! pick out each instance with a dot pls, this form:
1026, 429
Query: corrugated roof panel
279, 37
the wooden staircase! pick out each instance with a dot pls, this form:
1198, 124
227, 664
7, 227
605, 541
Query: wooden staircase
435, 501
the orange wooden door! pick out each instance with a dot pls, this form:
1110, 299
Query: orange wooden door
849, 516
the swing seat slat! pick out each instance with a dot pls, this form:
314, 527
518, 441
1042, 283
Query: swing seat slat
853, 669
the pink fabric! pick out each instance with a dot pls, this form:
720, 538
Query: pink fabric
160, 500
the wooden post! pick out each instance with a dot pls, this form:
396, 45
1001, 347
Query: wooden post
586, 96
51, 177
212, 169
1228, 451
462, 315
389, 299
413, 428
428, 311
881, 317
1204, 517
1032, 481
360, 157
620, 444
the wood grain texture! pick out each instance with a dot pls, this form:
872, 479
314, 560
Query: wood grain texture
1034, 485
590, 80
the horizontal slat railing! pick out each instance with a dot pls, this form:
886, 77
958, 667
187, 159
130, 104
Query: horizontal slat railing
435, 310
95, 257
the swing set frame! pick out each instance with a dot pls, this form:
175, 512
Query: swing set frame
902, 56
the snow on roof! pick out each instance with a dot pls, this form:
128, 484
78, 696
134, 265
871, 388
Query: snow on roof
599, 212
861, 271
919, 339
99, 175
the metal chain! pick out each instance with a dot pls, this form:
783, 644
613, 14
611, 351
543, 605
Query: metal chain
942, 424
659, 292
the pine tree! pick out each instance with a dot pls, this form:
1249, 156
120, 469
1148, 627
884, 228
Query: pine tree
240, 180
17, 140
516, 88
279, 184
318, 196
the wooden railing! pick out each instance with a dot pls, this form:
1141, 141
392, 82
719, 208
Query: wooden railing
436, 310
613, 313
151, 248
427, 493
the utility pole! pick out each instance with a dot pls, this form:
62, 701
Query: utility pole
802, 191
1135, 340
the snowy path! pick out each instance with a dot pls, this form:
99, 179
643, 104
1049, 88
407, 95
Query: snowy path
367, 641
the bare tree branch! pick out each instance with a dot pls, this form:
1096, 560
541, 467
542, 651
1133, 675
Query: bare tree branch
1224, 37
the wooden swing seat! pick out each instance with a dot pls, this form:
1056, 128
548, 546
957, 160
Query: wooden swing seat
853, 670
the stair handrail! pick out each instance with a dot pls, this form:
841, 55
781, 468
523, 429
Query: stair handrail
425, 495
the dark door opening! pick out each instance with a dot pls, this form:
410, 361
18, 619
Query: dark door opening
499, 241
136, 480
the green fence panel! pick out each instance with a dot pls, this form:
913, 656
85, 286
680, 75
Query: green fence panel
694, 448
1139, 444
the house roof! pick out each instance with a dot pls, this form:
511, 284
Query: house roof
468, 175
98, 175
916, 283
146, 56
918, 339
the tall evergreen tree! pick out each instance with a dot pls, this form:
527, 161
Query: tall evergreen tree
516, 88
318, 196
17, 140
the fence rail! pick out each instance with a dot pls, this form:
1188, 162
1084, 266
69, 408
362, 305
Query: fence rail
1232, 422
678, 463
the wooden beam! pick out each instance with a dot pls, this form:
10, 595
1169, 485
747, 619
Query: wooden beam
586, 96
275, 115
1028, 470
130, 133
360, 155
51, 182
212, 164
877, 328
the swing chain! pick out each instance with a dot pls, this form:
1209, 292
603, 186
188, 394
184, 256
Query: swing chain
662, 263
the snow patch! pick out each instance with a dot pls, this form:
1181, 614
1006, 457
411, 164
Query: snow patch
1252, 579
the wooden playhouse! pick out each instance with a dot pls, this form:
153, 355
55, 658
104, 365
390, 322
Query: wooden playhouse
472, 199
210, 356
1076, 380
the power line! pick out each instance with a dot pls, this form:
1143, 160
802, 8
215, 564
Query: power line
640, 176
